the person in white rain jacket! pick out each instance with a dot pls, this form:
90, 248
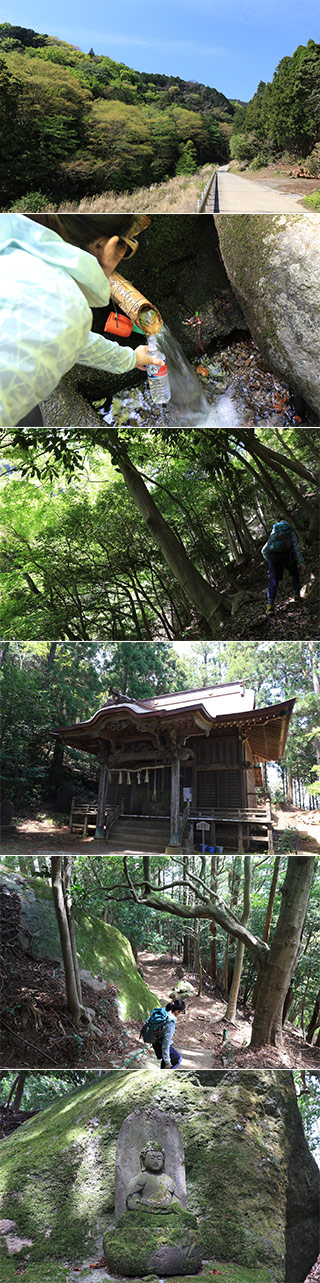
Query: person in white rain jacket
53, 270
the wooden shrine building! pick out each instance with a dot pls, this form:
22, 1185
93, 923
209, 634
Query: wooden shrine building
171, 761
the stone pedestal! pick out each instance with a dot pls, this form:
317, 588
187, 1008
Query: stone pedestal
145, 1242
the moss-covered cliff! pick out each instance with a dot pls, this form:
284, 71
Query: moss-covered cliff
101, 949
57, 1178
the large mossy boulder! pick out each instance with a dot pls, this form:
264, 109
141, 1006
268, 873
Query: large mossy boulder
102, 950
256, 1204
273, 264
143, 1243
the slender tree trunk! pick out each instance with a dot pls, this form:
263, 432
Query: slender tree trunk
289, 786
315, 1018
71, 922
4, 652
237, 970
186, 949
213, 933
208, 601
284, 950
280, 462
197, 954
316, 687
74, 1005
269, 913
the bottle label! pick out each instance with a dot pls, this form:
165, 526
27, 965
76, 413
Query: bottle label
157, 371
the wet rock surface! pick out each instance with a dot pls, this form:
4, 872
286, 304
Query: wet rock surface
273, 264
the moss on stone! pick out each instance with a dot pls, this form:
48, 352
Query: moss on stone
129, 1247
58, 1169
101, 948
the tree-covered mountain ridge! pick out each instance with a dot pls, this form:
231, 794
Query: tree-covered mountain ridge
109, 79
76, 124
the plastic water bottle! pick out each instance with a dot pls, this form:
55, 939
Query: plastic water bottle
158, 375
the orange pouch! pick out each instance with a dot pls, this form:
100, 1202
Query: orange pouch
118, 324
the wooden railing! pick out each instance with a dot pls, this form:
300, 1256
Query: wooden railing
111, 818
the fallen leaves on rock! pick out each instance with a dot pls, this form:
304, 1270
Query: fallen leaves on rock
37, 1027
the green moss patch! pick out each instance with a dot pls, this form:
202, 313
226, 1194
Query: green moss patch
129, 1247
101, 948
58, 1169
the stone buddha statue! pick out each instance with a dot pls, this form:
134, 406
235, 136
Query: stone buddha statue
154, 1233
151, 1187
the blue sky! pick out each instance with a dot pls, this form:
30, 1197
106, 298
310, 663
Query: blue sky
231, 44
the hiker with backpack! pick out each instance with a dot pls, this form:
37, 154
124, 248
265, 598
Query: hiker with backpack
282, 552
159, 1030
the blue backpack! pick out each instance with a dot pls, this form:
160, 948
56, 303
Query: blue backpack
281, 537
152, 1029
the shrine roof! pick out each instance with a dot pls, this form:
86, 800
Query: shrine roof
212, 709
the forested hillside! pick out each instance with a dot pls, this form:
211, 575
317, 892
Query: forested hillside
76, 123
284, 114
131, 533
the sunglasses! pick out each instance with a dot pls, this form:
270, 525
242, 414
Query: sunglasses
129, 238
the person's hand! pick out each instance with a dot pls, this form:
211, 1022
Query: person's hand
145, 357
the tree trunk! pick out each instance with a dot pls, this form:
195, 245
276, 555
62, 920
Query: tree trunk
269, 913
74, 1005
186, 942
284, 950
213, 933
278, 462
197, 955
289, 786
316, 687
237, 970
315, 1018
102, 798
18, 1093
207, 600
71, 922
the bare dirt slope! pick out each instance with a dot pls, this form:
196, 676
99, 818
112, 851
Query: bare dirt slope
200, 1033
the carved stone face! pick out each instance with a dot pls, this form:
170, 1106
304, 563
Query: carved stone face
152, 1159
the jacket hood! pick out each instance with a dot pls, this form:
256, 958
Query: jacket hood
19, 233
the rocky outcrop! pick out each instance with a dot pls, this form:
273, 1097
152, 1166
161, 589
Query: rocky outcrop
251, 1180
102, 950
273, 264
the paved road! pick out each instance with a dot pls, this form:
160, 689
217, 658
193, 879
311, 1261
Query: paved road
236, 195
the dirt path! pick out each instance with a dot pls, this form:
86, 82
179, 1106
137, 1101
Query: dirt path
199, 1034
237, 195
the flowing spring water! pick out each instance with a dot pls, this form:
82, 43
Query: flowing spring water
239, 389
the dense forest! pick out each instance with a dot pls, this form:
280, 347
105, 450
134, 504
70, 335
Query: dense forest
126, 533
283, 115
234, 938
75, 123
44, 685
